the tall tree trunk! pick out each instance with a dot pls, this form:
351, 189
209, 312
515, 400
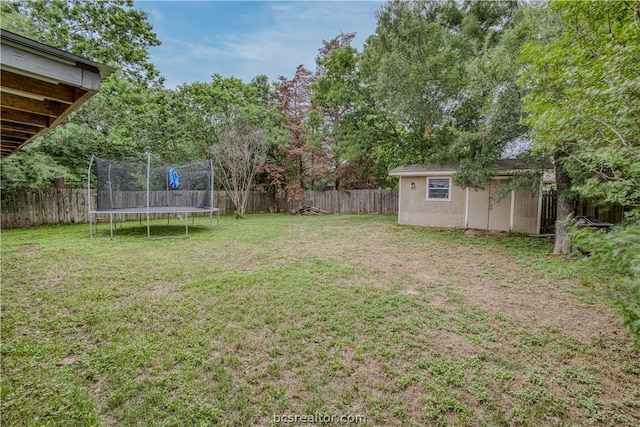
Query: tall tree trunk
564, 210
300, 171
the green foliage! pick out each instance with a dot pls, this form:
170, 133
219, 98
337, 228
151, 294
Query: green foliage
447, 73
414, 70
618, 252
361, 133
63, 154
584, 85
208, 105
30, 168
130, 115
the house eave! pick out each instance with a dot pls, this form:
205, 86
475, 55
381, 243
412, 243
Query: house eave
39, 87
425, 173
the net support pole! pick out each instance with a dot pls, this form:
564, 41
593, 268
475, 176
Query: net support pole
166, 186
110, 189
89, 197
148, 154
213, 202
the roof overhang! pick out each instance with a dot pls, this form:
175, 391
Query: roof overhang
504, 167
39, 87
423, 173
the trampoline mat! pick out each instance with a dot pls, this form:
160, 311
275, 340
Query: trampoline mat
156, 209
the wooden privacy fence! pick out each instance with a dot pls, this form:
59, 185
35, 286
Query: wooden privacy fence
69, 205
548, 212
49, 206
548, 215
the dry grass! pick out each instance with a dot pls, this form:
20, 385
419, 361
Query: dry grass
333, 315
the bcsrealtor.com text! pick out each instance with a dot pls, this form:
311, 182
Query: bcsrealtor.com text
317, 418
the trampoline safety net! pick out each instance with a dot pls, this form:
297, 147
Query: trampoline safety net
150, 186
131, 184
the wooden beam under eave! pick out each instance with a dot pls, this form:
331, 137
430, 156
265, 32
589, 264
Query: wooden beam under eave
21, 117
14, 139
18, 83
6, 126
49, 108
51, 125
7, 147
11, 133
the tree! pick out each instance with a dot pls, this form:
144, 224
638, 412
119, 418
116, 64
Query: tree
362, 136
212, 104
446, 72
240, 151
414, 73
308, 159
265, 91
302, 160
584, 85
236, 124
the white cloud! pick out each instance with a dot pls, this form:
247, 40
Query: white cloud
200, 51
275, 38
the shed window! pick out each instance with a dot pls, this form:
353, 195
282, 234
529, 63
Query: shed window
438, 188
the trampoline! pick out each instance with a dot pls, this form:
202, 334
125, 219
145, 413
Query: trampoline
149, 187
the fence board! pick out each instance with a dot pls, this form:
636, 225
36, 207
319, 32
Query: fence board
69, 205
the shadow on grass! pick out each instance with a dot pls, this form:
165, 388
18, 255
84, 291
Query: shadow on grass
156, 231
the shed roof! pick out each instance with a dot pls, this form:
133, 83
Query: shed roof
503, 165
39, 86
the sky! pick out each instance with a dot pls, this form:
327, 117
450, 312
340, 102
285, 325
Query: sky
246, 38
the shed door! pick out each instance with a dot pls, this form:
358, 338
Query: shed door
479, 209
499, 212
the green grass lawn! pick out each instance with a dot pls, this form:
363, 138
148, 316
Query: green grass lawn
277, 316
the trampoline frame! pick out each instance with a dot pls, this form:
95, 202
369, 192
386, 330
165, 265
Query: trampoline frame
149, 210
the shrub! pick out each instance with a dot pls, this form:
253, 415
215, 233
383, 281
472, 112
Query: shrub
618, 251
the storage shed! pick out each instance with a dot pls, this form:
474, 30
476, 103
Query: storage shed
428, 197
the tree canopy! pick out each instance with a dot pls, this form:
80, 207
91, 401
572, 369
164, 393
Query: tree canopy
447, 73
584, 86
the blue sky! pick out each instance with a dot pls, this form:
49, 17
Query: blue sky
247, 38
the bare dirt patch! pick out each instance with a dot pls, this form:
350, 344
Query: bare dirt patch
27, 249
160, 288
490, 280
529, 318
55, 279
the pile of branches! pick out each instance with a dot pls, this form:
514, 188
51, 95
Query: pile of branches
307, 210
